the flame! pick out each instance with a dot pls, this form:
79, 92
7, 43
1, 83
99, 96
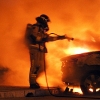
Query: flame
82, 25
76, 50
77, 89
91, 90
54, 73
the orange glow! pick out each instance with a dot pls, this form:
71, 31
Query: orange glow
76, 50
79, 19
77, 89
91, 90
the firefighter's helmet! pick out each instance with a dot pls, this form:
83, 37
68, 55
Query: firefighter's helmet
45, 17
43, 20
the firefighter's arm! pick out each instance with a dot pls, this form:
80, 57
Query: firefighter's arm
68, 38
59, 37
64, 37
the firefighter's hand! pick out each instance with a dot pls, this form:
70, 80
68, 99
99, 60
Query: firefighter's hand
68, 38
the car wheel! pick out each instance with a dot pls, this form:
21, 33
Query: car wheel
91, 83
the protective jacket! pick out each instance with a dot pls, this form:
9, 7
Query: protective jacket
36, 37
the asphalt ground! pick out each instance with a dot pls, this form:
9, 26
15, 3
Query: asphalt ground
52, 98
44, 95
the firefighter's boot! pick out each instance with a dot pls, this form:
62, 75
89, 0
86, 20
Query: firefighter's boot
33, 83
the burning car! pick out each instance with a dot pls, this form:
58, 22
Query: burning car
82, 70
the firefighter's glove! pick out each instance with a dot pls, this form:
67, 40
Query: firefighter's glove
68, 38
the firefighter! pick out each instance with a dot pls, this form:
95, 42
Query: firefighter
36, 36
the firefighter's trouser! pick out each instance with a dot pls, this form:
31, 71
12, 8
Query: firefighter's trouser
37, 64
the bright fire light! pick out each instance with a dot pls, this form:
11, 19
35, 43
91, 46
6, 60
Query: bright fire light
91, 90
77, 89
76, 50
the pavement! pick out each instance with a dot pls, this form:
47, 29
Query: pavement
25, 93
50, 98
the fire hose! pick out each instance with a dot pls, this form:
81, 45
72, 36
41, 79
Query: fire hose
66, 37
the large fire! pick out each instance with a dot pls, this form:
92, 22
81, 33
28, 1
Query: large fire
76, 50
54, 75
78, 19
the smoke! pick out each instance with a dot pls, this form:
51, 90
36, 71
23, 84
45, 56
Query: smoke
78, 19
3, 74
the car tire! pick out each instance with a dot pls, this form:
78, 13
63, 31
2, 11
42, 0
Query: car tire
90, 84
